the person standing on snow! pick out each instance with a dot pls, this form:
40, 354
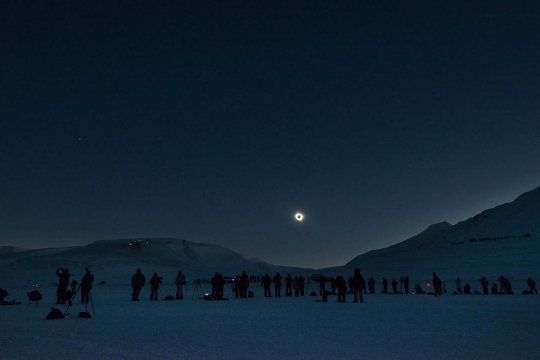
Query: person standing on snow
137, 282
277, 285
458, 286
245, 285
266, 281
371, 284
179, 283
359, 285
301, 284
63, 283
288, 285
322, 285
394, 286
437, 284
155, 281
86, 286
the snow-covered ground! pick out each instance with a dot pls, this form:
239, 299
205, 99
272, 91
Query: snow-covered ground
385, 326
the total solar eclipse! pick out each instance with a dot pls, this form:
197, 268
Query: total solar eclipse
299, 217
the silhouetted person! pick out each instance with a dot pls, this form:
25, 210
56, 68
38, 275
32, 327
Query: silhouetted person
237, 286
301, 284
371, 284
341, 285
86, 286
394, 286
245, 285
494, 289
277, 285
154, 286
359, 285
508, 286
406, 282
74, 284
484, 282
179, 283
502, 285
322, 285
532, 285
215, 286
418, 289
384, 285
467, 289
295, 286
333, 285
437, 285
459, 289
137, 282
325, 295
288, 285
63, 283
266, 281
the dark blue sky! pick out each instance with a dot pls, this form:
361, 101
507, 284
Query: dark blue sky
215, 121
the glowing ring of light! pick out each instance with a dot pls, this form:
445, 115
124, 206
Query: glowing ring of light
299, 217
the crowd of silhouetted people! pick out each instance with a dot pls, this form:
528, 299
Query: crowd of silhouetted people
296, 286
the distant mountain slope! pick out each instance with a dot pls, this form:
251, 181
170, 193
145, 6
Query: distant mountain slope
505, 240
11, 249
114, 261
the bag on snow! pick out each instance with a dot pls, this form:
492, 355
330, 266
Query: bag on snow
169, 297
55, 314
84, 314
34, 295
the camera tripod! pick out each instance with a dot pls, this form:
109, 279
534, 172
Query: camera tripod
70, 303
230, 288
197, 288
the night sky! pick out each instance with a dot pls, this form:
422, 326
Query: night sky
216, 121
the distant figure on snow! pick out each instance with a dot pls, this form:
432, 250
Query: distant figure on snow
179, 284
322, 285
266, 281
137, 282
371, 284
63, 283
288, 285
384, 285
296, 286
406, 282
301, 284
458, 286
394, 286
86, 286
484, 282
467, 289
532, 285
155, 281
341, 288
245, 285
437, 285
277, 285
359, 285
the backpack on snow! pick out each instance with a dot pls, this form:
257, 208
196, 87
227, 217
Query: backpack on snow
84, 314
55, 314
169, 297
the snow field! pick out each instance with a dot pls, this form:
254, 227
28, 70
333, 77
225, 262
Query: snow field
385, 326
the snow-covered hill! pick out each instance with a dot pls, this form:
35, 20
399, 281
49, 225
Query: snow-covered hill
504, 240
115, 261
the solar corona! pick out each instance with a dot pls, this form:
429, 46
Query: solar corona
299, 217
